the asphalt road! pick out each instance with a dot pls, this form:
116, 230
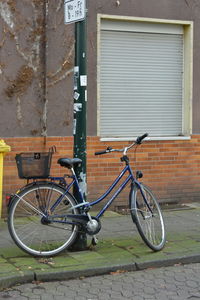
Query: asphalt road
180, 282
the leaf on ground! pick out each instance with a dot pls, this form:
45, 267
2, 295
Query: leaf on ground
47, 261
118, 272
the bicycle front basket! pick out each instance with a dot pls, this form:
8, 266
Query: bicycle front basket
34, 165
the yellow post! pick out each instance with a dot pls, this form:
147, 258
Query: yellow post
3, 149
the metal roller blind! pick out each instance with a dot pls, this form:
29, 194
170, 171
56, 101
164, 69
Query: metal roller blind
141, 84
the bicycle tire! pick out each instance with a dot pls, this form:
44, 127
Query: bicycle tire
150, 224
27, 225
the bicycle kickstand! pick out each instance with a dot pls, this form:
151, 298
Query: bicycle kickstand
94, 240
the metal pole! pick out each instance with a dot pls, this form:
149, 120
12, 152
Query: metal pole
80, 101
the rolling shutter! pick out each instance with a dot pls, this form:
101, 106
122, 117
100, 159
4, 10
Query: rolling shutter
141, 83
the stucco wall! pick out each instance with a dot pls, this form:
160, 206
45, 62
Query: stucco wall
37, 59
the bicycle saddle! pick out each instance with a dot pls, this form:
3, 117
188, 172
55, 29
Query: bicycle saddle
69, 162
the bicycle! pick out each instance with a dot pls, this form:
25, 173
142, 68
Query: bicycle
44, 217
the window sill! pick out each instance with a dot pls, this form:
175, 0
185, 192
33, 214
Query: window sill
149, 138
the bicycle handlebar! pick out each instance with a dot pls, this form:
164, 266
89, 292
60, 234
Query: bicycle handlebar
137, 142
102, 152
140, 138
108, 150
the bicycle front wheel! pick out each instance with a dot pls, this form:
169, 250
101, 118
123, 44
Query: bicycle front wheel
29, 225
147, 216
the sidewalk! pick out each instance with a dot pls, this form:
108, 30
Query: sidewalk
120, 248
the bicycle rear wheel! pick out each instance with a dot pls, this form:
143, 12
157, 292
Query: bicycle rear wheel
147, 216
29, 227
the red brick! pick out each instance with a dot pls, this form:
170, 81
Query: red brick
172, 168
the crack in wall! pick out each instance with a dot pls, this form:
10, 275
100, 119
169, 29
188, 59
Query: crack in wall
45, 96
19, 112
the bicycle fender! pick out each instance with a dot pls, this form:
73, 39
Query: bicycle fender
131, 192
32, 184
134, 185
35, 183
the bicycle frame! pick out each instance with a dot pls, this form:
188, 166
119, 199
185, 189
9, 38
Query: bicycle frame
109, 190
127, 169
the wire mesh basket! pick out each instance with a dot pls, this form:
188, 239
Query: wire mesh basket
34, 165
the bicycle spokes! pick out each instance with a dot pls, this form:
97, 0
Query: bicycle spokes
148, 218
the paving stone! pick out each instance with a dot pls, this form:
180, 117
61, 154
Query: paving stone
7, 268
119, 249
115, 286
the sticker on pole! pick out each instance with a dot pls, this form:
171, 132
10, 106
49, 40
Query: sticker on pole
74, 11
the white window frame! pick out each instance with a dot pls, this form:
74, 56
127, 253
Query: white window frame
187, 64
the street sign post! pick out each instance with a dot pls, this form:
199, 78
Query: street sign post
74, 11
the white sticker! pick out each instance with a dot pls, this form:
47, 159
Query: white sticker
74, 126
77, 107
76, 75
76, 69
76, 95
83, 80
86, 95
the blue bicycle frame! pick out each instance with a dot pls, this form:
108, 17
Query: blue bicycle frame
84, 204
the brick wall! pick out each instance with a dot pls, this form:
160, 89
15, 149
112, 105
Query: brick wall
171, 168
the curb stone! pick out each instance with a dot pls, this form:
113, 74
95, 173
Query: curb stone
63, 275
168, 262
9, 281
12, 280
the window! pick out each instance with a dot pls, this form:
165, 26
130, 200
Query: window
144, 82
